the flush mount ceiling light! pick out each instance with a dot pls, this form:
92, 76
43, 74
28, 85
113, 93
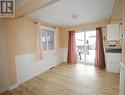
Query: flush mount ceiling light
75, 16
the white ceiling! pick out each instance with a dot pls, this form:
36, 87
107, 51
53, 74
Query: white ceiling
60, 13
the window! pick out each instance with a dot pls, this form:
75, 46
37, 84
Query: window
48, 38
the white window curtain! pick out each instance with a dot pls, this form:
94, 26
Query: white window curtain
39, 46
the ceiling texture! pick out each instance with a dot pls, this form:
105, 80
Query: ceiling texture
72, 12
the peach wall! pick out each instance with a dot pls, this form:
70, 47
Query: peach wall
91, 25
21, 29
3, 64
63, 35
20, 38
81, 27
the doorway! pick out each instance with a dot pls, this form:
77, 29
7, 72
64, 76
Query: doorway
86, 46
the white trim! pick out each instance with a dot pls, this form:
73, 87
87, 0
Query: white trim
55, 34
13, 86
122, 79
23, 62
9, 88
3, 89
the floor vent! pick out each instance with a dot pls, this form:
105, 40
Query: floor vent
51, 68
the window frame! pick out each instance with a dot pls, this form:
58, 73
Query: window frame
55, 38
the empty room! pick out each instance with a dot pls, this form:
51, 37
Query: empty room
62, 47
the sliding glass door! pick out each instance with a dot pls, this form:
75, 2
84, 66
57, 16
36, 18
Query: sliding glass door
85, 44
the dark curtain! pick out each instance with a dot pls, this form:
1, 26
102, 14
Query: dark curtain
100, 57
71, 58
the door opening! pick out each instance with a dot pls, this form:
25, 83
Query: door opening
86, 46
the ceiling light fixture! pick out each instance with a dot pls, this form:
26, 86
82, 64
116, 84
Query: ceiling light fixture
75, 16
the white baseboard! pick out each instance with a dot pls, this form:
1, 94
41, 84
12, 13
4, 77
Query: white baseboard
64, 52
27, 67
13, 87
3, 89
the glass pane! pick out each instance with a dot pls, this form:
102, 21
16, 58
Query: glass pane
50, 39
80, 47
90, 46
44, 39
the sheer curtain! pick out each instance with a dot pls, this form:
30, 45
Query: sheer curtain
39, 44
100, 57
72, 58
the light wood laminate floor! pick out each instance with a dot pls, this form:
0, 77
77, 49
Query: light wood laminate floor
74, 79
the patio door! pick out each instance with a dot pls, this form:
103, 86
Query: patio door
85, 44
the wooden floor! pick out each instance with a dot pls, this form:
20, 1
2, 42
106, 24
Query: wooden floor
7, 93
75, 79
